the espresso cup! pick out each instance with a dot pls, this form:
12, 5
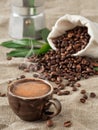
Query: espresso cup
33, 108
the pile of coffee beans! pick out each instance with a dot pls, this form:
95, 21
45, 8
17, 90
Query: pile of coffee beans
72, 41
61, 64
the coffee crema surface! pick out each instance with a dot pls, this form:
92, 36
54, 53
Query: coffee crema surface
31, 89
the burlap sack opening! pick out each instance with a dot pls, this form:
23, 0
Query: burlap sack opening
68, 22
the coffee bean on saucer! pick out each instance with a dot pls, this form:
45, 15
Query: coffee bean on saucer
67, 124
92, 95
50, 123
82, 100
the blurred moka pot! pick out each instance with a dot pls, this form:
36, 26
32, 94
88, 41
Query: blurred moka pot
27, 19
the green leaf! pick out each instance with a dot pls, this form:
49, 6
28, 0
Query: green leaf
45, 48
11, 44
28, 47
22, 53
24, 43
44, 33
28, 52
96, 68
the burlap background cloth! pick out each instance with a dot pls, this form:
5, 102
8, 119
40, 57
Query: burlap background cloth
83, 116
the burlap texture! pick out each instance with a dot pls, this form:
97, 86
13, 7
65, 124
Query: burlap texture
83, 116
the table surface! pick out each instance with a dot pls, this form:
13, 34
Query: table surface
83, 116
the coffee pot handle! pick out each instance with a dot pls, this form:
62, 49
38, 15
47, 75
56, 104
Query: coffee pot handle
57, 105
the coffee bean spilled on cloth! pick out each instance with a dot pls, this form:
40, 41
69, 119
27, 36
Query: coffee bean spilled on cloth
60, 64
2, 95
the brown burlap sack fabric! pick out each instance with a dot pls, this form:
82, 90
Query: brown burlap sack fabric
83, 116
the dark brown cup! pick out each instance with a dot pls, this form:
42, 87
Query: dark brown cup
35, 108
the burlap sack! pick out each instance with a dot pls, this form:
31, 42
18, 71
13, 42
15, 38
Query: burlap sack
83, 116
68, 22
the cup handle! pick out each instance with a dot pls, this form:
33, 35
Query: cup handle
57, 106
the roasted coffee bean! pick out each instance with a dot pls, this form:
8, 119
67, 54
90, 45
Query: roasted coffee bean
50, 123
22, 76
26, 70
83, 91
34, 68
2, 95
82, 100
53, 79
22, 66
30, 59
61, 86
9, 58
59, 79
56, 82
74, 89
62, 50
66, 92
55, 91
68, 84
92, 95
78, 85
17, 78
60, 93
70, 34
67, 124
69, 48
85, 96
78, 68
36, 75
71, 84
9, 82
